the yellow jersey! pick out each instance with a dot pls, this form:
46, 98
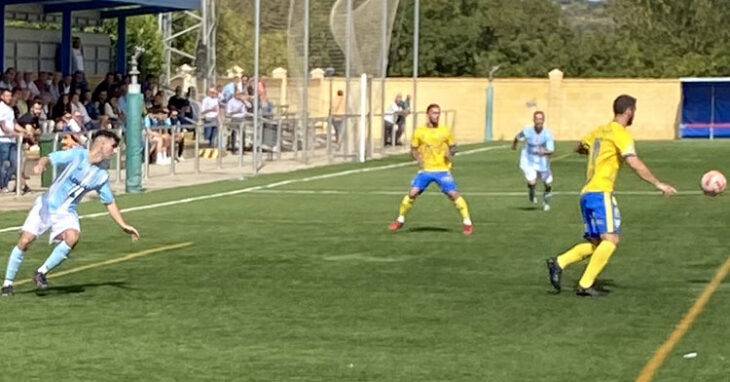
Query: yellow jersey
608, 145
433, 145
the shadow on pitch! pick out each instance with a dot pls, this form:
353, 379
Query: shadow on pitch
528, 208
605, 286
428, 229
76, 288
698, 281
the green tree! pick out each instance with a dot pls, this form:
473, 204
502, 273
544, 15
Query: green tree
141, 31
468, 37
673, 37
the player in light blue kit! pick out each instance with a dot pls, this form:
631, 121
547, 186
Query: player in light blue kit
56, 209
535, 157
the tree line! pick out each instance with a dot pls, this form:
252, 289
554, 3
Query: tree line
527, 38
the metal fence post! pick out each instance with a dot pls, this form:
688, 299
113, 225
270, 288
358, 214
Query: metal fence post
278, 139
146, 156
55, 147
220, 144
119, 162
241, 130
18, 165
254, 148
198, 131
173, 157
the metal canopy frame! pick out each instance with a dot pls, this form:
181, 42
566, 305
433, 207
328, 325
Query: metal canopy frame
120, 9
203, 55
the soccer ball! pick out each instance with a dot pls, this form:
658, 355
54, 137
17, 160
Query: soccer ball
713, 183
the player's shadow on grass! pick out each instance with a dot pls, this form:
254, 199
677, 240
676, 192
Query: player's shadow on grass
528, 208
605, 286
428, 229
701, 281
76, 288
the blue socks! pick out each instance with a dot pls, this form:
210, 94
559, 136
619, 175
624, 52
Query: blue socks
14, 261
59, 254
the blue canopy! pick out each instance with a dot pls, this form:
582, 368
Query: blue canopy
705, 108
119, 9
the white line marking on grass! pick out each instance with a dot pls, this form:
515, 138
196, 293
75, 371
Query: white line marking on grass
265, 186
370, 259
465, 193
112, 261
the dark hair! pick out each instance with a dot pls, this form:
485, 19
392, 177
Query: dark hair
539, 112
623, 103
432, 106
36, 102
106, 134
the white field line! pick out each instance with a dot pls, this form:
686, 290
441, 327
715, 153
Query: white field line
263, 187
466, 193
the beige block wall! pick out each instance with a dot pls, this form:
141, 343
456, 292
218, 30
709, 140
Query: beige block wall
514, 102
573, 106
463, 99
588, 103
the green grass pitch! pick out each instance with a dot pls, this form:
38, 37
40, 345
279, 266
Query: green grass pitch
303, 282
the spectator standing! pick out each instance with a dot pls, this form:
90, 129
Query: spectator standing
391, 114
77, 55
8, 145
338, 114
210, 110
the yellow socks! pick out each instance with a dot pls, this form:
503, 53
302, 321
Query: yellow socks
405, 205
575, 254
599, 260
463, 210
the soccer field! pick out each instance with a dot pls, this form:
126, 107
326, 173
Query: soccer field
298, 279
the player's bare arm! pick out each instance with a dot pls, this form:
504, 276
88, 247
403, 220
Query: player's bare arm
42, 163
518, 138
452, 151
117, 217
644, 173
544, 152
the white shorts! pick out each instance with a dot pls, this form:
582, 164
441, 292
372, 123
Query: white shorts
39, 222
532, 174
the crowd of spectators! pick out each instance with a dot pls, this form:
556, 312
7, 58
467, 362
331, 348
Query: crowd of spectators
233, 101
35, 102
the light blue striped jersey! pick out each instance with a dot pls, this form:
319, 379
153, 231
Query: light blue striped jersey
533, 142
78, 177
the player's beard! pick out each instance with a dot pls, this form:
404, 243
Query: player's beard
434, 121
630, 121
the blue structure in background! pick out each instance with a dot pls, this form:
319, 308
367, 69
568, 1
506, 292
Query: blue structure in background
119, 9
705, 108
